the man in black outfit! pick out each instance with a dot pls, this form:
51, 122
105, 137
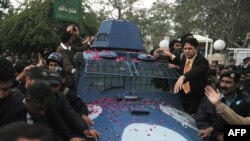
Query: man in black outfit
11, 109
191, 83
209, 123
72, 119
58, 80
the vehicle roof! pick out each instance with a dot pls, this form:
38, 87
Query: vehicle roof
118, 34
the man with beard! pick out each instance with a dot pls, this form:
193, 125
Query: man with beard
209, 122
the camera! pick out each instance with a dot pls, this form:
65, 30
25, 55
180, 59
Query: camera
160, 52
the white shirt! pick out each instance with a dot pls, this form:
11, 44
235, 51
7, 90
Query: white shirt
29, 119
64, 47
28, 116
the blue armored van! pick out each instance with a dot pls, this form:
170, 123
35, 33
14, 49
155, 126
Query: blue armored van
128, 92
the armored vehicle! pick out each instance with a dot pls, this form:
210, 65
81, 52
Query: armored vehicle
129, 93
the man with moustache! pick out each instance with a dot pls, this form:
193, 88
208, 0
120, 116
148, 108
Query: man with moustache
209, 122
193, 76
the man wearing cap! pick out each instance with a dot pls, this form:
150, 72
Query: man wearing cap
40, 102
54, 61
30, 75
71, 117
59, 80
223, 110
209, 123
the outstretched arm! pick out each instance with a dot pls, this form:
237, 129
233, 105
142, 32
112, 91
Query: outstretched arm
223, 110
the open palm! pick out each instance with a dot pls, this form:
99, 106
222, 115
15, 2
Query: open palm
212, 95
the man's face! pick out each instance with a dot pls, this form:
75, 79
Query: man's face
5, 88
34, 108
70, 29
53, 66
227, 85
242, 78
177, 45
55, 88
247, 76
70, 42
29, 81
189, 50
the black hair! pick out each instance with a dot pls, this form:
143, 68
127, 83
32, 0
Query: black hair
171, 44
19, 66
183, 37
192, 41
16, 130
246, 59
65, 37
41, 94
37, 73
211, 72
7, 71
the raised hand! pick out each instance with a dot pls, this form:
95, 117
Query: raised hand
212, 95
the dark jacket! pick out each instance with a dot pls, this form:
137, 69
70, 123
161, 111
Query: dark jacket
68, 58
19, 91
52, 118
178, 56
68, 65
76, 102
206, 115
197, 77
11, 110
71, 118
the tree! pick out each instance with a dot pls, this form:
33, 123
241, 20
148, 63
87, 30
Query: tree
224, 19
160, 16
155, 21
5, 8
31, 28
120, 6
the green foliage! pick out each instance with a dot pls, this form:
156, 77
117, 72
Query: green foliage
117, 9
224, 19
160, 17
155, 21
5, 8
31, 28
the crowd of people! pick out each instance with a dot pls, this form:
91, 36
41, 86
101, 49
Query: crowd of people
41, 97
215, 95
